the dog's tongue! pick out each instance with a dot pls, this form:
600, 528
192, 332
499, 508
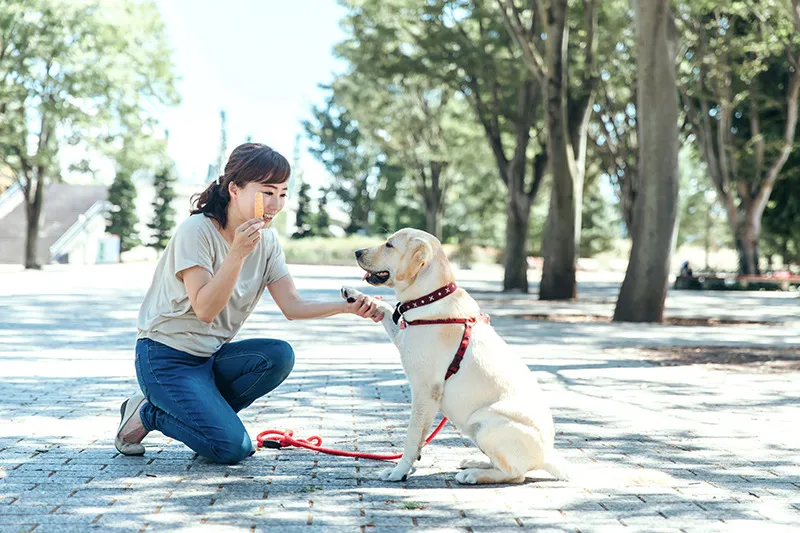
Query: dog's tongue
366, 275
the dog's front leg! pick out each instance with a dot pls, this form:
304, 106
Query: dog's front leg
351, 295
423, 410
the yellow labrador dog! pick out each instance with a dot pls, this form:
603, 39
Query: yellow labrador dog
465, 370
492, 397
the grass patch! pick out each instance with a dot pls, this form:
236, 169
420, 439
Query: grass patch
341, 251
413, 505
326, 251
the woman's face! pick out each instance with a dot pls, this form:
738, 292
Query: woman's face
272, 194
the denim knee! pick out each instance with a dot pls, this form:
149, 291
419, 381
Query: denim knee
231, 450
284, 359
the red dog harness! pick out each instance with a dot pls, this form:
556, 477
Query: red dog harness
429, 299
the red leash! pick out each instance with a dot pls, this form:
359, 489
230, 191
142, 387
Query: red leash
273, 438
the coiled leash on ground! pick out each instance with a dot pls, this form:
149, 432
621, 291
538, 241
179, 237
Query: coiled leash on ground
276, 439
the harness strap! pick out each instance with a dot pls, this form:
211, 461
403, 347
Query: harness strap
455, 365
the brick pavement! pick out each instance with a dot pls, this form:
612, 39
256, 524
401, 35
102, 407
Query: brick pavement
728, 435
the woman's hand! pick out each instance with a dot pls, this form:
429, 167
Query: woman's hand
365, 307
247, 237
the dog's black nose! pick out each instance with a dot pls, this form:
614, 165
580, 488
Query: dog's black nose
359, 253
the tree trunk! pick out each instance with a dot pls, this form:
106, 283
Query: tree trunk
432, 199
644, 289
518, 211
747, 235
433, 222
562, 232
33, 211
360, 209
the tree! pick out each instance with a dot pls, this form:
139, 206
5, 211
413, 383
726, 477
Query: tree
122, 218
644, 289
410, 118
781, 230
163, 213
395, 204
322, 221
599, 226
740, 81
222, 152
701, 220
612, 128
305, 217
81, 73
568, 108
462, 43
339, 145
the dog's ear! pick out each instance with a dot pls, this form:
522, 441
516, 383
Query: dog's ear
418, 253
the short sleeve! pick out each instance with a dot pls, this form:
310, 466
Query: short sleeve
192, 247
276, 264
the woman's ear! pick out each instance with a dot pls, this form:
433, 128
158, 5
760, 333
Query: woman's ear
233, 190
417, 255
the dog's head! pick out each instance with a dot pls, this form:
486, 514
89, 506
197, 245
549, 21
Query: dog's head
400, 260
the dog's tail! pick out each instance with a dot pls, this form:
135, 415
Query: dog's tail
561, 469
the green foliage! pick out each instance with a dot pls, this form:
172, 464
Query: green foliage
322, 251
781, 222
305, 217
322, 220
122, 219
739, 82
600, 222
701, 219
163, 213
338, 144
85, 73
395, 205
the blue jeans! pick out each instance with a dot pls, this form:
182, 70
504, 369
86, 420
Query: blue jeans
195, 399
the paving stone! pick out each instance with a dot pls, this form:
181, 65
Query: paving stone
66, 363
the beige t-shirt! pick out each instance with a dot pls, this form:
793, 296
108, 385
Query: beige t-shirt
166, 315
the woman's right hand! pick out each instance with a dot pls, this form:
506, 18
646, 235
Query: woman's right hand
247, 237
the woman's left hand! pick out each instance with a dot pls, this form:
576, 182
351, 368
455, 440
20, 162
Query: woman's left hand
366, 307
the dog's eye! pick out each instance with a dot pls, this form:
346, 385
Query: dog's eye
389, 245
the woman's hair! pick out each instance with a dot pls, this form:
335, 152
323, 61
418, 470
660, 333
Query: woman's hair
248, 162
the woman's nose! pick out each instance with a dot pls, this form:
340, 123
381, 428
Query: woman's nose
274, 202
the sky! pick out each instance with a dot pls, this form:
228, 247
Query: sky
261, 61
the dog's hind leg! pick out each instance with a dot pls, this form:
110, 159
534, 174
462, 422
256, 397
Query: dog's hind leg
471, 463
513, 450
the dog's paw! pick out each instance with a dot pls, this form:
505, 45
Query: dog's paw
468, 477
397, 473
471, 463
350, 294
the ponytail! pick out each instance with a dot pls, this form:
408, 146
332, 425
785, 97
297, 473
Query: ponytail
213, 202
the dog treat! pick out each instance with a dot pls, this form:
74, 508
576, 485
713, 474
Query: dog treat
259, 205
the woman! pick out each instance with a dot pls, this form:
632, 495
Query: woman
206, 284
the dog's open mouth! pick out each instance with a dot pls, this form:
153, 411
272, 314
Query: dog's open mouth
376, 278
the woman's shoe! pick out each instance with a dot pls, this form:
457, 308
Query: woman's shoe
127, 410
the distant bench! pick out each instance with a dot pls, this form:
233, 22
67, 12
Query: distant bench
699, 282
783, 281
